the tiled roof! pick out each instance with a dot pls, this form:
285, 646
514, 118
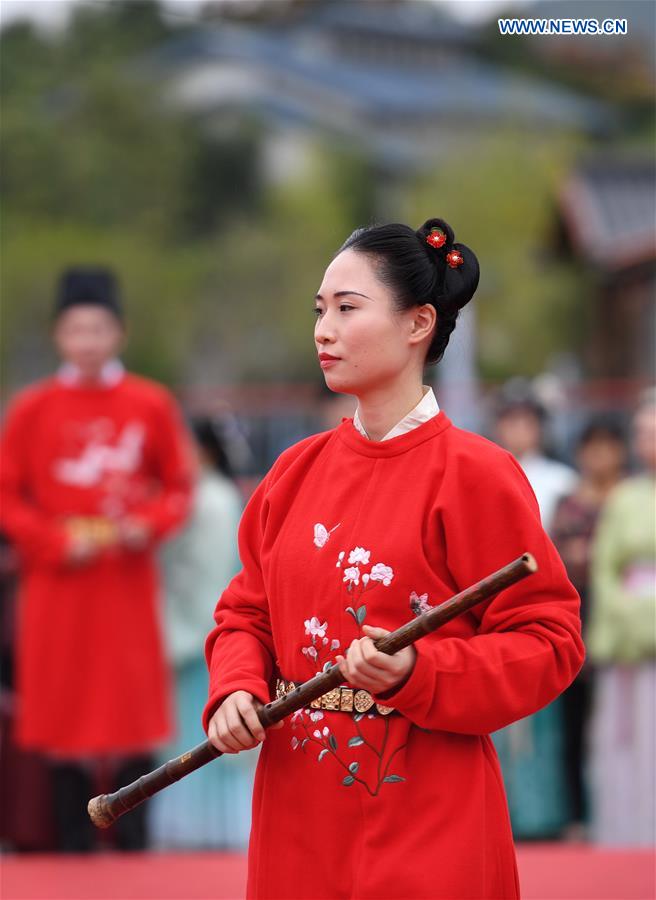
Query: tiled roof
466, 89
609, 208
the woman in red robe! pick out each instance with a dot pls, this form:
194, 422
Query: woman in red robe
389, 787
95, 471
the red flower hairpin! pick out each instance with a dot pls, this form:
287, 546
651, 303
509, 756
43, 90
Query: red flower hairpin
454, 259
436, 238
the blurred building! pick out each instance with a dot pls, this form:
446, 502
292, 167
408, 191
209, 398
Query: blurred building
401, 83
608, 224
399, 80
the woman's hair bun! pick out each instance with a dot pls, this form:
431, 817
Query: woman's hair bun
423, 232
456, 286
417, 272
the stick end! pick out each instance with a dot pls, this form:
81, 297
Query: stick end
529, 562
99, 813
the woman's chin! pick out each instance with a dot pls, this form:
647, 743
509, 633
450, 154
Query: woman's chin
335, 383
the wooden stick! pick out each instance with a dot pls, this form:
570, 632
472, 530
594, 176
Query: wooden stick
106, 808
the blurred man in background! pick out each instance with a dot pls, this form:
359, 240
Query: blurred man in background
95, 471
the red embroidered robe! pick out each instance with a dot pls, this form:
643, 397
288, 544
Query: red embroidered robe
91, 675
344, 530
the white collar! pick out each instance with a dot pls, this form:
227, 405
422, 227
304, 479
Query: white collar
423, 411
110, 374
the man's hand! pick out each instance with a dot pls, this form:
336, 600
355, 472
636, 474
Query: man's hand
81, 549
88, 537
235, 726
368, 668
134, 534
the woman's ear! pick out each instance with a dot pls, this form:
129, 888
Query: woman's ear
423, 322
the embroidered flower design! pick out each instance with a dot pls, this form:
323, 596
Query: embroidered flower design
359, 555
358, 614
314, 627
326, 743
381, 572
322, 535
319, 656
319, 652
419, 604
355, 577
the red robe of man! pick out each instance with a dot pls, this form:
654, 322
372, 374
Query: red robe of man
91, 675
345, 530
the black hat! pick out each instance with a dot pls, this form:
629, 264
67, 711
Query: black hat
88, 285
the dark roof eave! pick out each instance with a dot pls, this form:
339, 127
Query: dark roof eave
579, 216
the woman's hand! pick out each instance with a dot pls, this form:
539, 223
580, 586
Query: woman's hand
235, 726
368, 668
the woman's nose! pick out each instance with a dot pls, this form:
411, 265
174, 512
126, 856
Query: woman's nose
324, 331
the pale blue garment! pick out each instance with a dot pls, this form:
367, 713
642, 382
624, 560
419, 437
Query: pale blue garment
531, 753
211, 807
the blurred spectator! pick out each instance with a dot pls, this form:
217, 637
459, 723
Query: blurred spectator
95, 470
601, 458
622, 644
520, 429
531, 751
211, 807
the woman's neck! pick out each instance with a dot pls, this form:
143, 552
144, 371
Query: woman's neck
381, 410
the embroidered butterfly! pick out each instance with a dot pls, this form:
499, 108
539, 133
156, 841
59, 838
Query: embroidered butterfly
322, 535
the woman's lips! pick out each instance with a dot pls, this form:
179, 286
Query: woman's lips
327, 361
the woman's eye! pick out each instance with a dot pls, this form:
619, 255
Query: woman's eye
343, 307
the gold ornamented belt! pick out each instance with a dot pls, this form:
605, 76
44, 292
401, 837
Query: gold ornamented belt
339, 699
102, 531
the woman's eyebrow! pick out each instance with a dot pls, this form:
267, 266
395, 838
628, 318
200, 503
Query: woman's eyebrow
344, 294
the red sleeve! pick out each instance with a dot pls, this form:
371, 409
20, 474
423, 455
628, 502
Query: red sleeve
38, 538
173, 470
240, 651
528, 644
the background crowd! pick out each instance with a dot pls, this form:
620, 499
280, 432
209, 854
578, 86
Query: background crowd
580, 768
216, 192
